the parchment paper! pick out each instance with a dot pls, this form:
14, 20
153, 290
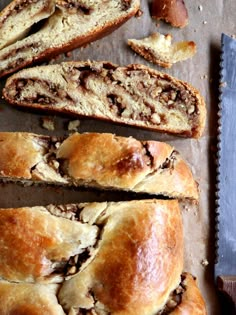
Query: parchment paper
205, 27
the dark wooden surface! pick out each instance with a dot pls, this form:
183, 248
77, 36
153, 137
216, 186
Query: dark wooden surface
227, 286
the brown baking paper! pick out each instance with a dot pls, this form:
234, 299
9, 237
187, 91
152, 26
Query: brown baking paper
207, 19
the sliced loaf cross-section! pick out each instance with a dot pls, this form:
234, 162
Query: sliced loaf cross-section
134, 95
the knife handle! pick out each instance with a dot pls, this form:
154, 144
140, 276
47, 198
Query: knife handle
227, 285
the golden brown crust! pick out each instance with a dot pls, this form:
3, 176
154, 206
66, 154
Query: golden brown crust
177, 178
102, 161
19, 153
172, 11
192, 300
33, 241
29, 299
119, 103
142, 243
134, 266
43, 47
157, 48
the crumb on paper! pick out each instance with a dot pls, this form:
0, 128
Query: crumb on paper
54, 59
48, 123
200, 8
204, 76
204, 262
139, 13
186, 208
159, 49
85, 46
73, 125
68, 54
204, 22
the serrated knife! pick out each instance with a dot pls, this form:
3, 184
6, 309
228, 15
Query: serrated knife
225, 267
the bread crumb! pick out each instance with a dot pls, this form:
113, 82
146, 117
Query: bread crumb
73, 125
139, 13
48, 123
200, 8
204, 76
186, 208
159, 49
204, 262
204, 22
68, 54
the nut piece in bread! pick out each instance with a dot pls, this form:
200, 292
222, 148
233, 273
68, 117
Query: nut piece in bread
158, 49
172, 11
73, 24
134, 95
17, 18
103, 161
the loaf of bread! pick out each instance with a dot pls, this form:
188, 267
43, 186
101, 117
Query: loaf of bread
135, 95
102, 161
71, 24
157, 48
96, 258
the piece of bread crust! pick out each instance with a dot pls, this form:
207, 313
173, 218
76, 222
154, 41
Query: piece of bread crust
102, 161
192, 301
45, 243
72, 25
17, 18
157, 48
172, 11
134, 95
29, 299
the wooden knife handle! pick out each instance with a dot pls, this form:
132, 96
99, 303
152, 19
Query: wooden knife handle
227, 285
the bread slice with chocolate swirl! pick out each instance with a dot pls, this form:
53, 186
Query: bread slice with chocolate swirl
69, 24
134, 95
18, 17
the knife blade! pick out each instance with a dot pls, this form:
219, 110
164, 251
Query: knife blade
225, 267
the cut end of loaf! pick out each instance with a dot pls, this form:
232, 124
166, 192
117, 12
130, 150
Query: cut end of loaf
171, 11
134, 95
